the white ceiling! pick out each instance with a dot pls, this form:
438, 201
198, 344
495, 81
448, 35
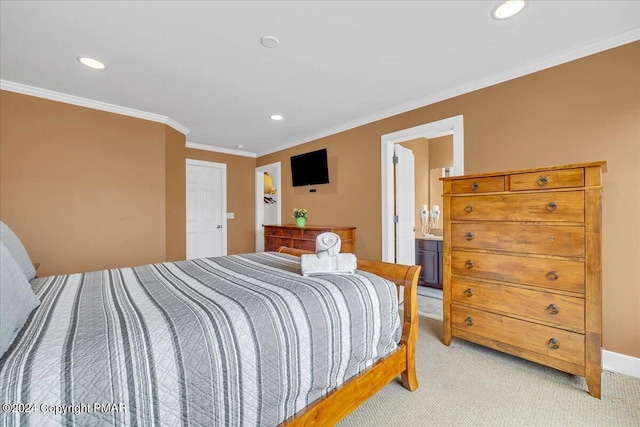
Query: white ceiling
339, 64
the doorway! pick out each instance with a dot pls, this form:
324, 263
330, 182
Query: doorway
451, 126
268, 200
206, 209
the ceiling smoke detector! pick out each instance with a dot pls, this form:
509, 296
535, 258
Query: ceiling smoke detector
269, 42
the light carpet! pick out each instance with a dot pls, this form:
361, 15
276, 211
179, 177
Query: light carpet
470, 385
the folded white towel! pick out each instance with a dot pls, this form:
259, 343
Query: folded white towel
313, 265
328, 244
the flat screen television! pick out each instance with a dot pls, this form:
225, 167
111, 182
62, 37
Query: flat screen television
310, 168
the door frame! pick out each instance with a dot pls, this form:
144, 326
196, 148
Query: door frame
223, 195
276, 170
450, 126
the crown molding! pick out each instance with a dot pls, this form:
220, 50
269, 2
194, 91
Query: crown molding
206, 147
90, 103
513, 73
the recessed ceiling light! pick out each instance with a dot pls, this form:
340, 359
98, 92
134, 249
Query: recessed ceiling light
91, 63
508, 8
269, 41
239, 146
276, 117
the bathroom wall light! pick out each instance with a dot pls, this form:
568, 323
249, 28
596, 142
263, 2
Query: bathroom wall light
508, 8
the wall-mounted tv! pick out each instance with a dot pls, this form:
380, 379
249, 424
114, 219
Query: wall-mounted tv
310, 168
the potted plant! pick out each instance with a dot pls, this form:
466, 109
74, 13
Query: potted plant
301, 216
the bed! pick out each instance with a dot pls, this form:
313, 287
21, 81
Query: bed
234, 340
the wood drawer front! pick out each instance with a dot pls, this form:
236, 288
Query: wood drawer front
291, 232
478, 185
307, 245
272, 231
560, 310
565, 178
520, 333
541, 272
532, 239
552, 206
312, 234
273, 243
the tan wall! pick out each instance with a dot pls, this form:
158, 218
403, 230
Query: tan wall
84, 189
176, 195
87, 190
440, 156
441, 152
585, 110
240, 197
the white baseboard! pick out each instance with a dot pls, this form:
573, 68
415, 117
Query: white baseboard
620, 363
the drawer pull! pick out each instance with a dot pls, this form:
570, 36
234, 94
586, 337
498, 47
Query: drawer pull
291, 234
468, 209
469, 292
469, 321
553, 344
542, 181
273, 232
552, 275
468, 236
553, 309
469, 264
313, 235
475, 186
552, 206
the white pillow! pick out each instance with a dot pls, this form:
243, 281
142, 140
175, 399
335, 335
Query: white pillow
17, 250
17, 299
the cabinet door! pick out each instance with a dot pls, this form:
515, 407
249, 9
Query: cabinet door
429, 262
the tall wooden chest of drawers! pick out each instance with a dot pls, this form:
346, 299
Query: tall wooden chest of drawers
292, 236
522, 269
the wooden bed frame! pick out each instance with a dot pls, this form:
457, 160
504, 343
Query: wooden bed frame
340, 402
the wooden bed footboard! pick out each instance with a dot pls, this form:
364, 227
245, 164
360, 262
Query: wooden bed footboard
344, 399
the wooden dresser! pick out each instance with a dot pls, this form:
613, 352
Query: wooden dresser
292, 236
522, 269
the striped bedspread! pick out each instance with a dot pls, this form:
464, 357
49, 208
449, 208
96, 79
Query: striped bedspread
240, 340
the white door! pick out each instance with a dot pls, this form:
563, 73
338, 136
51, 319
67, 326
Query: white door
206, 209
405, 204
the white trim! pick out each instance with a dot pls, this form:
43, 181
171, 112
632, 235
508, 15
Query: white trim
452, 125
513, 73
206, 147
90, 103
620, 363
206, 163
548, 62
223, 184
